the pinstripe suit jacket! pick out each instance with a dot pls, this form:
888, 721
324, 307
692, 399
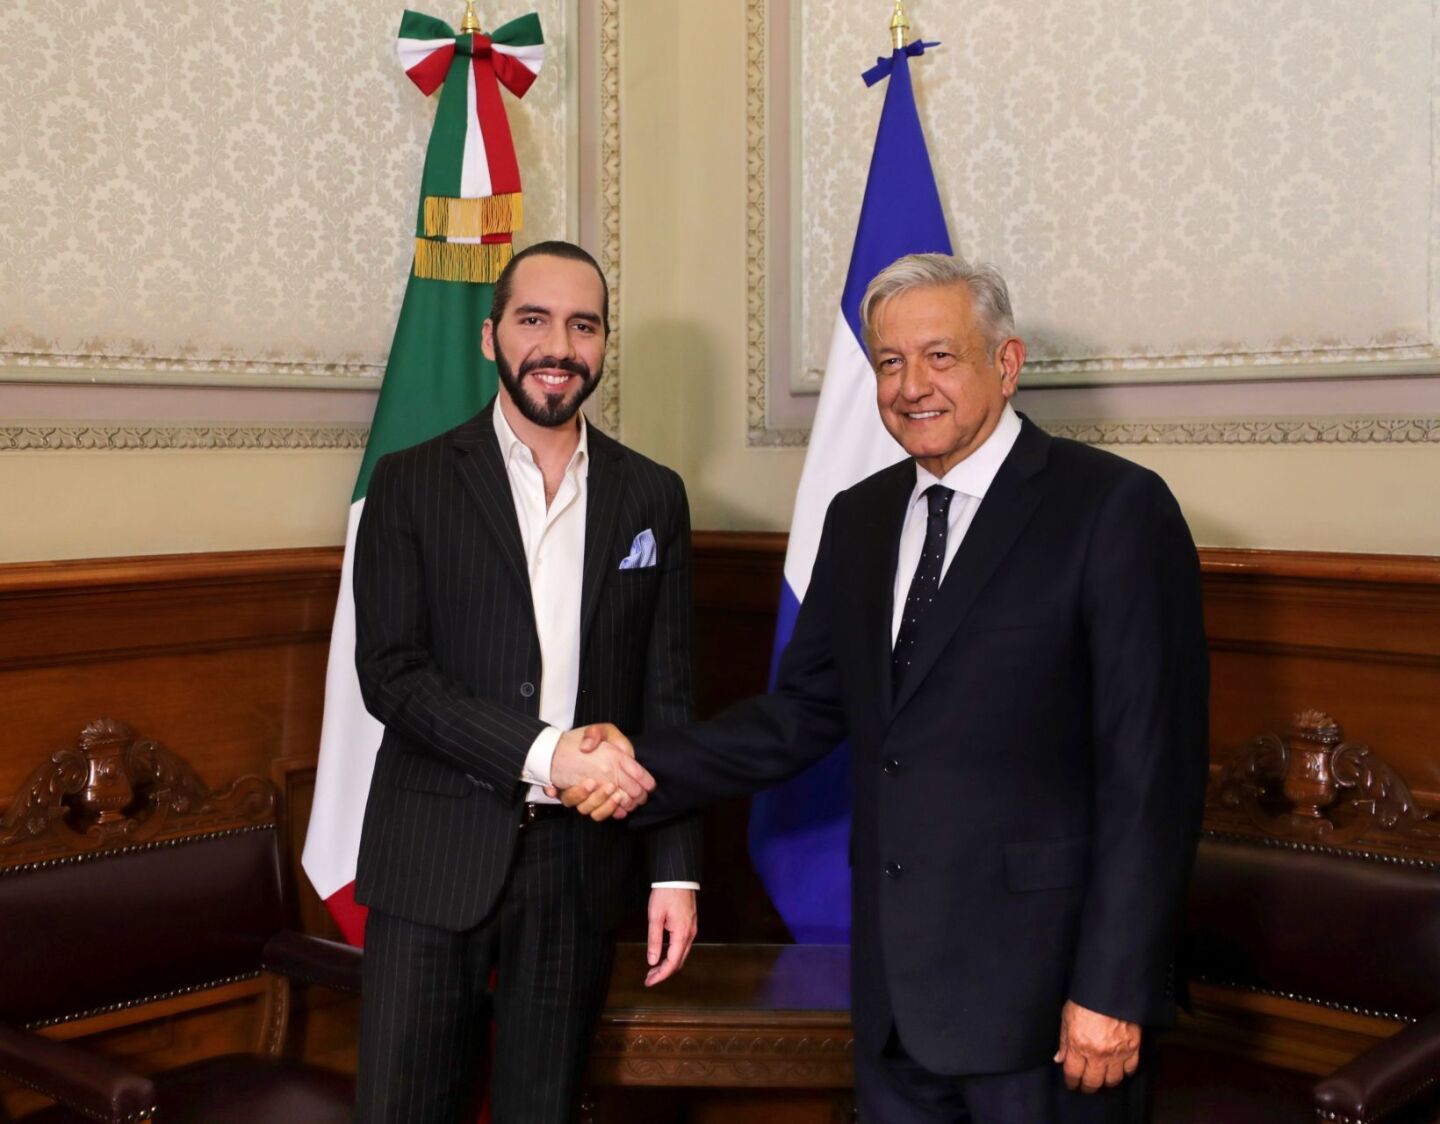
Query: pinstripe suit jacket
449, 661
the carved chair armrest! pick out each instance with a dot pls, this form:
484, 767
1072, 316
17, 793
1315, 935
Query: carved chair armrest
1386, 1077
314, 960
86, 1082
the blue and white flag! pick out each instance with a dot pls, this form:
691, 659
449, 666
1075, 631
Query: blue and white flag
799, 833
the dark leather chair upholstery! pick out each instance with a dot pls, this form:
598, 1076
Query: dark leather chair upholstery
1329, 896
150, 888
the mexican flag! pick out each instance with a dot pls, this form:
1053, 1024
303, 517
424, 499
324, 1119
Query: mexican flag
436, 378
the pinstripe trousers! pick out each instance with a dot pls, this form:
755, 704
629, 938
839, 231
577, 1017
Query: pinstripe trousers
425, 1019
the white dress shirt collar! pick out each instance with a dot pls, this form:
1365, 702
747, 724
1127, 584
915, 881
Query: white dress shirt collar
510, 444
974, 475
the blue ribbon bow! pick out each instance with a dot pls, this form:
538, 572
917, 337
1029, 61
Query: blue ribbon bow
884, 66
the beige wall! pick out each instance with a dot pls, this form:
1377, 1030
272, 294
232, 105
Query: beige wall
683, 378
683, 198
244, 280
683, 106
96, 504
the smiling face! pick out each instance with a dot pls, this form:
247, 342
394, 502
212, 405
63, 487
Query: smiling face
549, 344
939, 389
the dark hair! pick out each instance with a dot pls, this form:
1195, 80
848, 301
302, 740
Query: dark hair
555, 249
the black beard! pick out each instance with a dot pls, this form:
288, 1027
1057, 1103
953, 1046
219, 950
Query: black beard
553, 409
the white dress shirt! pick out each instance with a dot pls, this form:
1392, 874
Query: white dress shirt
969, 480
553, 538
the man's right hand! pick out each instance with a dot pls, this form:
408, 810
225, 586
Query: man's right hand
599, 758
590, 797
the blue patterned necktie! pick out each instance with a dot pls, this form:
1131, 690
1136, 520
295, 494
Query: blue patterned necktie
926, 582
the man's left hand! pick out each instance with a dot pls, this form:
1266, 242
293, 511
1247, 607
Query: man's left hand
671, 911
1096, 1050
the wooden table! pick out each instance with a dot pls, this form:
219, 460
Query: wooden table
748, 1017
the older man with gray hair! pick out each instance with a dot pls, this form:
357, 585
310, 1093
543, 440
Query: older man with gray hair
1007, 627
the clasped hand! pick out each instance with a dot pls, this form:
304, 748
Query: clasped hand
599, 759
585, 789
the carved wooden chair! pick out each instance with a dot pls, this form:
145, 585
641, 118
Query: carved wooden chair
1313, 930
125, 881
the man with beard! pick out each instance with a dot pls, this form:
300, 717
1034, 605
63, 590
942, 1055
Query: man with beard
518, 580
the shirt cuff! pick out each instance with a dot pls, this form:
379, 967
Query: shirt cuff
674, 885
537, 761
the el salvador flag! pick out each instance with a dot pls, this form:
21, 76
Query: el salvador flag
799, 832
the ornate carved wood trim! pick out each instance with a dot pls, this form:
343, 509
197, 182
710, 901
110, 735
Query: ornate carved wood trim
743, 1056
1313, 787
114, 791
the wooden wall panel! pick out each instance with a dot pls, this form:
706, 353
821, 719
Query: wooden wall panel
222, 658
1356, 635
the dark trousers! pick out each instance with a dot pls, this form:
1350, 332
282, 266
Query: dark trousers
895, 1089
424, 1019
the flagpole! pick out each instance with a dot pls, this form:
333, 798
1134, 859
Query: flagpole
470, 25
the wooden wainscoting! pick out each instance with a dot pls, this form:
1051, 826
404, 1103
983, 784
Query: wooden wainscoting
1357, 635
219, 656
222, 657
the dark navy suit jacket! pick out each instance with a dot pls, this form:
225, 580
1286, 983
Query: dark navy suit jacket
1026, 807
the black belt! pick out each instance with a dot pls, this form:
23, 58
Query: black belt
535, 812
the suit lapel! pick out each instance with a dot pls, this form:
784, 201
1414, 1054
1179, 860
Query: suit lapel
604, 494
881, 553
1006, 509
477, 460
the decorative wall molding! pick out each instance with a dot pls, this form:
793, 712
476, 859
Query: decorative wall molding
1254, 431
757, 188
44, 437
253, 212
172, 371
608, 393
1206, 431
39, 437
1186, 219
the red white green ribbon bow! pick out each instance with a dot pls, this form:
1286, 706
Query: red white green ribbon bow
470, 189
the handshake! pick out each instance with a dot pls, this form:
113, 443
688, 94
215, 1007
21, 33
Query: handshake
594, 771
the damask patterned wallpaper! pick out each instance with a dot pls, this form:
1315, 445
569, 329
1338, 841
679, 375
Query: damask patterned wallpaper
227, 186
1228, 183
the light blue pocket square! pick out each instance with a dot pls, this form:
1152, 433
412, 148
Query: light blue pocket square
642, 552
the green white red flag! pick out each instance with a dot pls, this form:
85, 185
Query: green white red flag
436, 377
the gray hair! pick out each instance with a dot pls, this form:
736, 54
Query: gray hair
923, 271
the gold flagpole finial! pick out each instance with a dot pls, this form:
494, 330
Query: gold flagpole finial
899, 25
470, 25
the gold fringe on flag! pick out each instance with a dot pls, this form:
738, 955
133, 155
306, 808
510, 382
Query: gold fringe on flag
449, 217
461, 261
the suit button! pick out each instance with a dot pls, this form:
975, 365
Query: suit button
891, 766
892, 870
527, 689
